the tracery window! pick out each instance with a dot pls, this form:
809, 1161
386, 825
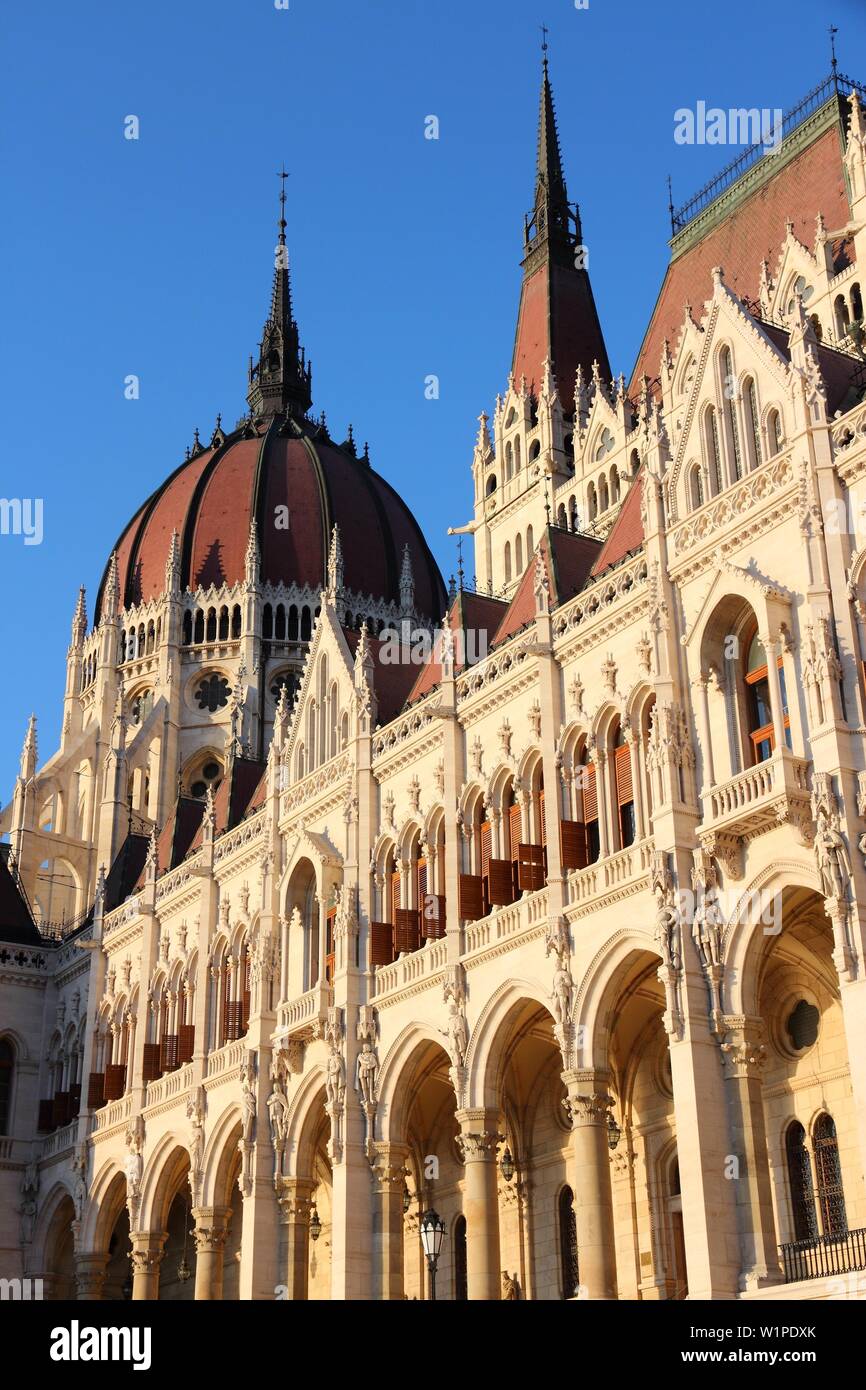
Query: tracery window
213, 693
800, 1183
831, 1197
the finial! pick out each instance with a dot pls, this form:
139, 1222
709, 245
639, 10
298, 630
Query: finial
546, 500
671, 205
833, 63
366, 452
282, 175
460, 563
544, 44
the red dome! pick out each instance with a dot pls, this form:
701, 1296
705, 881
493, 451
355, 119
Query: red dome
211, 499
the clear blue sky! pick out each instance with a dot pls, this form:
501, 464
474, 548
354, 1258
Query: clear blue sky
154, 257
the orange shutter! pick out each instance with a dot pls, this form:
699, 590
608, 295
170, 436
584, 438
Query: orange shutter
513, 831
150, 1068
185, 1042
501, 888
95, 1094
407, 936
330, 922
530, 868
115, 1082
624, 793
420, 884
486, 844
590, 794
541, 817
433, 917
395, 894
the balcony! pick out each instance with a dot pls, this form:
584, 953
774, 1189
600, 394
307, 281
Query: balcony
304, 1018
611, 875
427, 963
769, 794
824, 1256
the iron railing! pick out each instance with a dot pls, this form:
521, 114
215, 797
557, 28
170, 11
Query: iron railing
815, 1259
837, 85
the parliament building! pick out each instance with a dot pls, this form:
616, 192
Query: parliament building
365, 929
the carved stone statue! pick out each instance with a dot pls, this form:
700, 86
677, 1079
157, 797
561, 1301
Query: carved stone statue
134, 1163
562, 995
456, 1034
367, 1072
195, 1114
510, 1287
335, 1079
248, 1102
834, 864
278, 1114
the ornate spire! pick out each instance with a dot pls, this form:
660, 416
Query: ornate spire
108, 607
335, 564
252, 558
281, 382
79, 619
29, 752
550, 190
172, 565
407, 583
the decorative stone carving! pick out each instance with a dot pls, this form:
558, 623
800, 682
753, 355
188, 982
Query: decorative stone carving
667, 937
133, 1168
367, 1070
707, 928
456, 1031
249, 1105
335, 1081
278, 1118
195, 1112
28, 1208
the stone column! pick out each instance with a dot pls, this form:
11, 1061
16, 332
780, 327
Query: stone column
478, 1140
148, 1248
702, 709
743, 1054
211, 1229
296, 1205
89, 1276
389, 1177
588, 1105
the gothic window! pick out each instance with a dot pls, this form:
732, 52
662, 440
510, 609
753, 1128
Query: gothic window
286, 679
141, 705
802, 1025
752, 418
534, 450
509, 461
517, 455
604, 446
800, 288
568, 1244
729, 388
151, 637
803, 1217
561, 517
210, 776
761, 732
614, 485
518, 555
293, 622
529, 544
507, 561
199, 626
461, 1283
267, 622
602, 493
306, 624
856, 304
211, 625
236, 622
624, 790
841, 317
7, 1068
774, 432
572, 513
831, 1198
491, 484
634, 462
224, 624
213, 693
713, 451
696, 487
589, 789
280, 623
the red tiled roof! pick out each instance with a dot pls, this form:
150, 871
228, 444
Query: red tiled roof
477, 617
810, 183
392, 680
626, 534
557, 318
211, 499
568, 560
842, 374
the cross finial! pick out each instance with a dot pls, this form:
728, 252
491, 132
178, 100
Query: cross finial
544, 44
460, 563
671, 204
833, 32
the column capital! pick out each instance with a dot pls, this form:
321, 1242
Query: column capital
148, 1248
90, 1270
743, 1049
479, 1136
211, 1227
388, 1164
295, 1198
588, 1100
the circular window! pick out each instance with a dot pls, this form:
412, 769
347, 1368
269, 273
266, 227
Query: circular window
199, 788
802, 1025
213, 693
210, 771
287, 680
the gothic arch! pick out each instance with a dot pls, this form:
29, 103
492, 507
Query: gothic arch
220, 1158
396, 1068
302, 1123
745, 941
600, 983
484, 1056
164, 1175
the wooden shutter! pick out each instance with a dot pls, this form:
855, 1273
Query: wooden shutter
530, 868
622, 762
572, 844
74, 1100
542, 819
168, 1052
440, 865
395, 895
381, 943
247, 994
330, 956
420, 884
46, 1110
590, 794
150, 1065
95, 1090
433, 917
60, 1109
407, 933
470, 897
486, 846
115, 1082
234, 1019
514, 831
501, 886
185, 1043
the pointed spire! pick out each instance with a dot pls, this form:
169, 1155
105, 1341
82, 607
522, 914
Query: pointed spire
79, 619
108, 607
335, 565
549, 178
172, 565
407, 583
251, 561
29, 751
281, 382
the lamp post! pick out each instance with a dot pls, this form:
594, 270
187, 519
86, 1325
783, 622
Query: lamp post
432, 1234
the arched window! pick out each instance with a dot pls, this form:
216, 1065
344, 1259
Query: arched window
507, 561
588, 787
211, 629
713, 452
572, 513
592, 505
267, 622
624, 790
760, 714
602, 494
517, 455
856, 303
306, 624
509, 461
7, 1068
614, 485
841, 317
568, 1244
529, 542
236, 622
224, 624
803, 1217
560, 517
831, 1198
774, 432
518, 555
199, 626
696, 487
461, 1283
752, 418
491, 484
634, 462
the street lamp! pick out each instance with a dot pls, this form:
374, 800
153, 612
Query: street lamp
315, 1224
506, 1164
432, 1233
613, 1133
